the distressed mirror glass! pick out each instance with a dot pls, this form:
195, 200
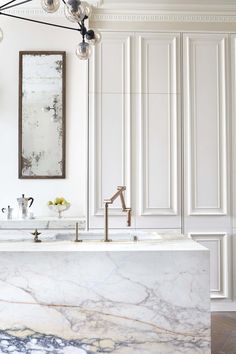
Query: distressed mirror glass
42, 115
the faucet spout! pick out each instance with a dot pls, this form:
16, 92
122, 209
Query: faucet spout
107, 202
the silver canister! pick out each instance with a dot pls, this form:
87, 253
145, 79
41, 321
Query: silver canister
8, 211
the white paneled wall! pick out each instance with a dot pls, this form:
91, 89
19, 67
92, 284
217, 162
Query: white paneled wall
205, 112
157, 121
110, 124
207, 197
20, 36
160, 122
122, 95
233, 182
219, 246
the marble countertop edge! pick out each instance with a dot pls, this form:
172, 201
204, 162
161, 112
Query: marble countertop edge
99, 246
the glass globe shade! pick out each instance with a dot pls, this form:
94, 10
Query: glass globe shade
74, 12
73, 5
83, 51
87, 9
97, 38
1, 35
73, 16
50, 6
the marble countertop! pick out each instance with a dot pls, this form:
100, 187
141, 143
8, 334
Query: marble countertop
185, 244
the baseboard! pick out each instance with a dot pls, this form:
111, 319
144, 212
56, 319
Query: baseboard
219, 305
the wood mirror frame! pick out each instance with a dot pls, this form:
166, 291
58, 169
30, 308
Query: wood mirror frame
42, 114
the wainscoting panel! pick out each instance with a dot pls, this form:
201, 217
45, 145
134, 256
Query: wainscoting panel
219, 246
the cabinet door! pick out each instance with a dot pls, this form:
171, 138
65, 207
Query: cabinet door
206, 135
109, 127
157, 145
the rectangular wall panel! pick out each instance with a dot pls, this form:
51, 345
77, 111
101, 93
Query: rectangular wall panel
158, 103
158, 63
233, 97
218, 244
110, 136
205, 111
159, 155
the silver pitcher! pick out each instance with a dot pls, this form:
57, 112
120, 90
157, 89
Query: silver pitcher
24, 204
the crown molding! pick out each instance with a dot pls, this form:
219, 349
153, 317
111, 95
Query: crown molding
162, 16
34, 12
37, 11
171, 7
159, 13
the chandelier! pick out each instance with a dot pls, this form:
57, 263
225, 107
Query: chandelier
75, 11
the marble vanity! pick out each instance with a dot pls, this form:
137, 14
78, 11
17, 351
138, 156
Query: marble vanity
145, 297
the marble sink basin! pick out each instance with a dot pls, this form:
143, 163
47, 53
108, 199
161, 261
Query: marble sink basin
125, 236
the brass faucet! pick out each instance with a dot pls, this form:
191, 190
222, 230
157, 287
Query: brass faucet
119, 193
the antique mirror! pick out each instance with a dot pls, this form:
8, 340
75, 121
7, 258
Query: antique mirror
42, 114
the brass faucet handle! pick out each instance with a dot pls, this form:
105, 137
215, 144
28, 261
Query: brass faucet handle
129, 210
121, 188
107, 201
36, 235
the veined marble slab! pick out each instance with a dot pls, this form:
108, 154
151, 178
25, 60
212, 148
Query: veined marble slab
122, 298
42, 223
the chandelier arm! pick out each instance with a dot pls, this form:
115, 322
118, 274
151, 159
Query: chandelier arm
40, 22
8, 3
10, 6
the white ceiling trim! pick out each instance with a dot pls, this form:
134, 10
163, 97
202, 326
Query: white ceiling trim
178, 6
137, 16
158, 13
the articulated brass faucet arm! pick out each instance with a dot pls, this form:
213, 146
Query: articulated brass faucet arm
119, 193
123, 202
120, 190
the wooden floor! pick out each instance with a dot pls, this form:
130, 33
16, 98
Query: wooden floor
223, 332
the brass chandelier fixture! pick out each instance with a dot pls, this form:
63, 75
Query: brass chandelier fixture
75, 11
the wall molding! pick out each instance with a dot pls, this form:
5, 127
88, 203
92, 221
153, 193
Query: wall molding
157, 14
116, 16
96, 104
171, 41
223, 245
37, 11
191, 121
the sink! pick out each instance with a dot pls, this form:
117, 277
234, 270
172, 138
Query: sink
123, 236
